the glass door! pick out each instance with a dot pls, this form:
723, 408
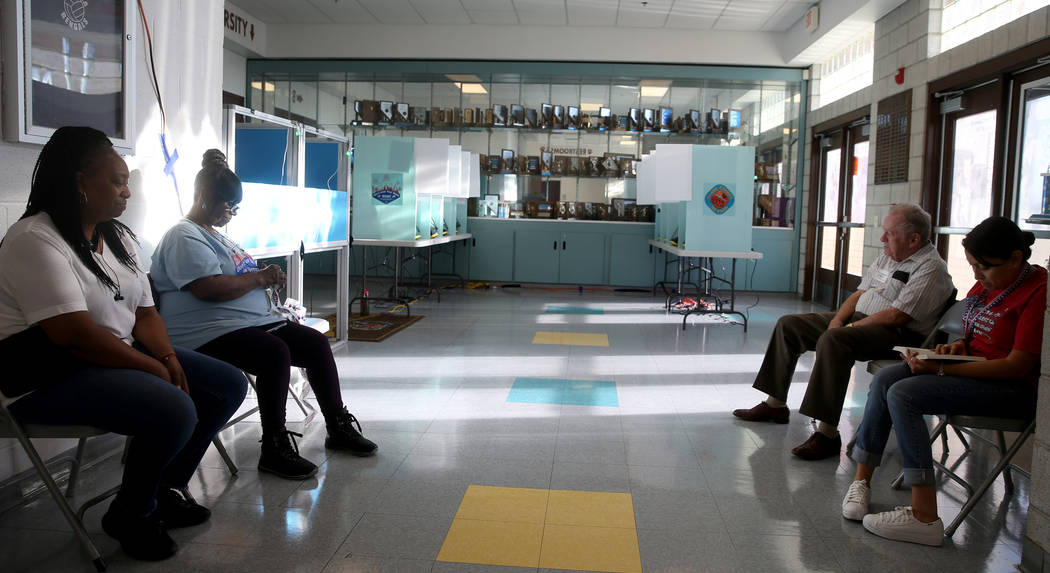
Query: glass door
968, 186
840, 226
1032, 211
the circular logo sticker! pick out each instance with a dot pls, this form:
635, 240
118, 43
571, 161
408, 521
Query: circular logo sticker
719, 198
74, 13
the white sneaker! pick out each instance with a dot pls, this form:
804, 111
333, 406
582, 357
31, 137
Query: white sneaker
901, 525
855, 504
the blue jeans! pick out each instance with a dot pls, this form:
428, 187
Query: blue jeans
898, 400
171, 430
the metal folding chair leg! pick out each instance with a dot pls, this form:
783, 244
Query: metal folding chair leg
1004, 462
72, 518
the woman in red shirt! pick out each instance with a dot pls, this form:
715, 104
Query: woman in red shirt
1002, 322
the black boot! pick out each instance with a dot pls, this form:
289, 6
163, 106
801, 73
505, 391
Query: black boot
142, 538
280, 456
177, 508
343, 436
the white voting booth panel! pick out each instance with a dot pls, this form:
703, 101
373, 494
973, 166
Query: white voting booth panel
703, 195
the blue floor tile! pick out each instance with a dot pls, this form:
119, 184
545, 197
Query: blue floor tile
562, 309
559, 391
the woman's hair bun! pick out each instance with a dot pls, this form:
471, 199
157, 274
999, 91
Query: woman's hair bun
214, 158
1028, 238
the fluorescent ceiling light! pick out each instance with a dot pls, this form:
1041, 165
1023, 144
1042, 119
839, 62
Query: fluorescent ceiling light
259, 85
654, 91
471, 88
590, 107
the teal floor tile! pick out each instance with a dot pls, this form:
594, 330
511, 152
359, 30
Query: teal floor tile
562, 309
559, 391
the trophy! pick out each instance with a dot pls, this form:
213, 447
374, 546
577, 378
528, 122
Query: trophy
573, 117
517, 115
532, 166
546, 116
531, 118
468, 116
648, 119
508, 160
419, 116
635, 119
546, 164
386, 112
666, 120
499, 115
559, 117
401, 115
487, 118
604, 119
366, 112
715, 123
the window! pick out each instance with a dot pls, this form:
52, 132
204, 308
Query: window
964, 20
848, 70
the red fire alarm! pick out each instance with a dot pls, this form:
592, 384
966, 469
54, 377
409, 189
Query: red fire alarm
899, 77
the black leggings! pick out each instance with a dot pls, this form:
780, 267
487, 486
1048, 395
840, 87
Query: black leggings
270, 355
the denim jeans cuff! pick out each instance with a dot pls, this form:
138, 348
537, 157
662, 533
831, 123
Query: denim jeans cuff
919, 476
861, 456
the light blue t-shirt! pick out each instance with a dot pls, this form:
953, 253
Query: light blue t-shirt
186, 253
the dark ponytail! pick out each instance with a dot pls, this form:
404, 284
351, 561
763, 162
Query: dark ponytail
72, 150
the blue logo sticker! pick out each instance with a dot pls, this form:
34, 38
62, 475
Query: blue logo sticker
719, 199
386, 188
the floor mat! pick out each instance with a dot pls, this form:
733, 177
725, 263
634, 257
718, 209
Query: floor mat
377, 327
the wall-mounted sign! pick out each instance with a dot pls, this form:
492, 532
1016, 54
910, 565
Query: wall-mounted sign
246, 32
812, 18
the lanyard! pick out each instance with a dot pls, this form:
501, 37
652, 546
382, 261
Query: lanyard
972, 314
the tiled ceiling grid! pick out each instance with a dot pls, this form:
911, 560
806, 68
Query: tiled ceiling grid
726, 15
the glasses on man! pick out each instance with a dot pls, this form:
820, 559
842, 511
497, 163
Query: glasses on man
232, 207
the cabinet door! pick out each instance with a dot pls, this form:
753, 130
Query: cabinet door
630, 261
582, 258
490, 254
536, 256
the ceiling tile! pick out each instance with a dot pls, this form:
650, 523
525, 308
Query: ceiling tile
281, 12
496, 5
737, 24
652, 15
786, 16
493, 17
344, 12
592, 12
541, 12
688, 22
392, 11
441, 11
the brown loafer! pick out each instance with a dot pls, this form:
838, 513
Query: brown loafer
818, 447
764, 413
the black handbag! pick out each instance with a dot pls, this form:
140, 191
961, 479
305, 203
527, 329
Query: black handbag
33, 361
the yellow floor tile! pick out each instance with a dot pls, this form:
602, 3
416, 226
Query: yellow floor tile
605, 509
590, 549
503, 504
493, 543
571, 339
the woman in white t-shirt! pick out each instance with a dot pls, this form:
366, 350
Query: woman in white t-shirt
84, 345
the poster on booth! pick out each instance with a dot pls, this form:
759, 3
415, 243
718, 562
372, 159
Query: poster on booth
719, 199
387, 188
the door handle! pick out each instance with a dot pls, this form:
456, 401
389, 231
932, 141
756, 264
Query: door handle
555, 245
563, 245
473, 242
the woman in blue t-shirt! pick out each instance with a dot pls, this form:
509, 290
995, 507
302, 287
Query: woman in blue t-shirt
215, 299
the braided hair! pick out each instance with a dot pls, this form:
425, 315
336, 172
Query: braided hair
72, 150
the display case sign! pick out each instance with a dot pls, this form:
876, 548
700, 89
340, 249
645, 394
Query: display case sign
386, 188
719, 198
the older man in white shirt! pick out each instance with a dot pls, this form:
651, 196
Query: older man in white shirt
897, 303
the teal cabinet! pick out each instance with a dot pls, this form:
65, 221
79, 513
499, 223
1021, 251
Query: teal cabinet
490, 253
536, 256
631, 260
581, 258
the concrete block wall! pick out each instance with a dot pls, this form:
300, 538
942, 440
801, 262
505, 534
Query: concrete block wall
909, 37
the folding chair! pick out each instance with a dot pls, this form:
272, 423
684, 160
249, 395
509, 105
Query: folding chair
949, 324
967, 424
11, 428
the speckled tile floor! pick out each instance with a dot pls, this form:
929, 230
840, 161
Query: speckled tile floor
709, 493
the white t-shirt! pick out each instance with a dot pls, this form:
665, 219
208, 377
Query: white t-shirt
41, 277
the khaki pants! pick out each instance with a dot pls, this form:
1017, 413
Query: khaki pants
837, 350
